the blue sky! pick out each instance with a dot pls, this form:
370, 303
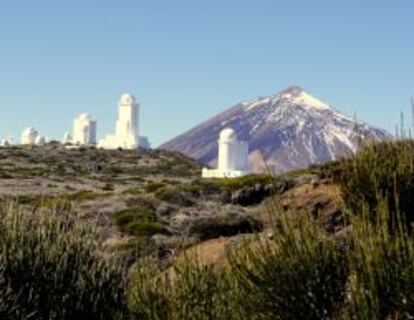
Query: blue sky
186, 60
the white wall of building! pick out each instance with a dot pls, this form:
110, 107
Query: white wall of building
232, 157
40, 141
127, 126
67, 138
6, 142
29, 136
84, 130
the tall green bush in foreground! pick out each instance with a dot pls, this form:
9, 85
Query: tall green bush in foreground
382, 264
49, 269
380, 171
187, 291
298, 274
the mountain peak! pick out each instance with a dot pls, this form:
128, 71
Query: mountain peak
289, 130
299, 96
293, 91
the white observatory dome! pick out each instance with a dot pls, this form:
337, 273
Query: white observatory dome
85, 116
127, 99
6, 142
228, 134
67, 138
40, 140
29, 136
30, 131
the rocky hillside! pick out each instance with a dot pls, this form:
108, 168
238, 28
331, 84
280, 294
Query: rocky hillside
151, 202
286, 131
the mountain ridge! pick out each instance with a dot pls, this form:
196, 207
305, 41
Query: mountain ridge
288, 130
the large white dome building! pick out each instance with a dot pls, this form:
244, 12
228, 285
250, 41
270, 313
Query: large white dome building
127, 127
232, 158
84, 130
29, 136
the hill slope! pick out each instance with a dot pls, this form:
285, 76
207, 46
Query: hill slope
286, 131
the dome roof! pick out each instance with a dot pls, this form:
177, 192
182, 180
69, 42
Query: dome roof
127, 98
85, 116
40, 140
228, 134
6, 142
30, 131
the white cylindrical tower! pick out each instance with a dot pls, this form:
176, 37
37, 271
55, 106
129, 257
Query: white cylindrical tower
227, 141
84, 130
128, 118
232, 157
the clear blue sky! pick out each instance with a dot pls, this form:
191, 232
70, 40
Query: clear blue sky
186, 60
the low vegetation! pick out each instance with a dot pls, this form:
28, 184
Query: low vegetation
50, 269
284, 266
380, 171
225, 224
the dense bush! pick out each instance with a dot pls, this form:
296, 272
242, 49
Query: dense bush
245, 181
50, 269
138, 213
189, 291
175, 195
382, 264
298, 274
154, 186
295, 275
140, 220
224, 225
146, 228
380, 171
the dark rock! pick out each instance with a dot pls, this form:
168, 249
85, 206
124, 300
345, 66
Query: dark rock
252, 195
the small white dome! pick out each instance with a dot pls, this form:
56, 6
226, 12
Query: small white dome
85, 116
6, 142
67, 138
40, 140
30, 131
127, 98
228, 134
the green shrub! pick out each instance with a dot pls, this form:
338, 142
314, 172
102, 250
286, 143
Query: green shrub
298, 274
175, 195
146, 228
140, 220
152, 187
246, 181
382, 264
125, 217
50, 269
380, 171
224, 225
188, 291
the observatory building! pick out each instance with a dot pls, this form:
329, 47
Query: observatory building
29, 136
232, 157
67, 138
6, 142
84, 130
40, 141
127, 127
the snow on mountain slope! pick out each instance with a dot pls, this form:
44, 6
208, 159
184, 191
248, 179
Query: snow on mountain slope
286, 131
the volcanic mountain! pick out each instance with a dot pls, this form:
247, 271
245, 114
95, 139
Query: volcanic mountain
290, 130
